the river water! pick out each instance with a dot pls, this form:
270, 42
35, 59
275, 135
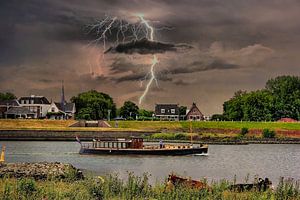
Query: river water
222, 162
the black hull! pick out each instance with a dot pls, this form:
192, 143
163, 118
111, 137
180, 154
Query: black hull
162, 152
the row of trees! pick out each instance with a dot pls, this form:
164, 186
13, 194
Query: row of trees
280, 98
93, 105
7, 96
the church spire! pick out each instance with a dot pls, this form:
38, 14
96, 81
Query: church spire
63, 101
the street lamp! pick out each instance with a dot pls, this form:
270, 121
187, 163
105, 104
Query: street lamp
108, 117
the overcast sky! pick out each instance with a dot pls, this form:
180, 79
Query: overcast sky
237, 44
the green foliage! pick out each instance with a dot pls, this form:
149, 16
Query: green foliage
280, 98
7, 96
26, 187
287, 189
268, 133
182, 110
218, 117
93, 105
129, 110
145, 113
244, 131
135, 187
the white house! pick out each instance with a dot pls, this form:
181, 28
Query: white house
36, 104
61, 111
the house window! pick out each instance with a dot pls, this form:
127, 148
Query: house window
52, 109
173, 111
162, 110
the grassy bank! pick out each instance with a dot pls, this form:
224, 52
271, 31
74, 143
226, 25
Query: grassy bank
161, 125
146, 125
112, 187
60, 125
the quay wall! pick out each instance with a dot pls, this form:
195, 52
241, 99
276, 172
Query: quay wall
57, 135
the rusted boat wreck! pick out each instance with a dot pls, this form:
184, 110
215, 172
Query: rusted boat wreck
136, 146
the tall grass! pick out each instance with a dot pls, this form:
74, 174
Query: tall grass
135, 187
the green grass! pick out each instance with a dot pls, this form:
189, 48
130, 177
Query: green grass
185, 125
135, 187
60, 125
144, 125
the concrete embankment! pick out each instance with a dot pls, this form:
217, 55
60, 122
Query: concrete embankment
40, 171
60, 135
236, 142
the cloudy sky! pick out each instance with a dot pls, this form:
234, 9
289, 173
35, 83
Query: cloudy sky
236, 44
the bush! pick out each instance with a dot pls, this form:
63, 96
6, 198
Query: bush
26, 186
268, 133
244, 131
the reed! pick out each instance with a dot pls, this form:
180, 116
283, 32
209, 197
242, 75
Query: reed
135, 187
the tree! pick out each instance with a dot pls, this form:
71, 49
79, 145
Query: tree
145, 113
257, 106
233, 108
93, 105
286, 96
280, 98
182, 110
129, 110
7, 96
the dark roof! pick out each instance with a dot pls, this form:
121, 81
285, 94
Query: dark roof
36, 99
194, 110
167, 108
19, 110
13, 102
68, 106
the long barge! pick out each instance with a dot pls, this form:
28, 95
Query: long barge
135, 146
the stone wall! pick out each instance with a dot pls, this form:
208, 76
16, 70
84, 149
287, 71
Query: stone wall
40, 171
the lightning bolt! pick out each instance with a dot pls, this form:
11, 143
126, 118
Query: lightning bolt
154, 62
154, 59
141, 16
124, 32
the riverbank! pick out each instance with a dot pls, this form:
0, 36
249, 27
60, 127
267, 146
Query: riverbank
200, 138
205, 132
135, 187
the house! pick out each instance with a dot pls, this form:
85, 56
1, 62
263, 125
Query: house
61, 111
194, 114
168, 112
19, 112
6, 104
36, 104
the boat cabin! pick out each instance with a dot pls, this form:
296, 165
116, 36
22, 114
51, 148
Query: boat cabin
120, 143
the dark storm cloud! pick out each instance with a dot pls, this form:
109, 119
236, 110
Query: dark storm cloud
145, 46
199, 66
41, 41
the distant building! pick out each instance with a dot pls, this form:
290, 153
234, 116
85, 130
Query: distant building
194, 114
36, 104
286, 119
169, 112
5, 105
19, 112
62, 109
55, 111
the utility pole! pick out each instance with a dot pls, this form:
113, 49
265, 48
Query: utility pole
108, 116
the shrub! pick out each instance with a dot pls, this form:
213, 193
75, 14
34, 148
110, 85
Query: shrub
244, 131
180, 136
268, 133
26, 186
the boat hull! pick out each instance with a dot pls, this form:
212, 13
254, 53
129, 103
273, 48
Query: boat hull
163, 152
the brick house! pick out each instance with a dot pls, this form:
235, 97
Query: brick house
194, 114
